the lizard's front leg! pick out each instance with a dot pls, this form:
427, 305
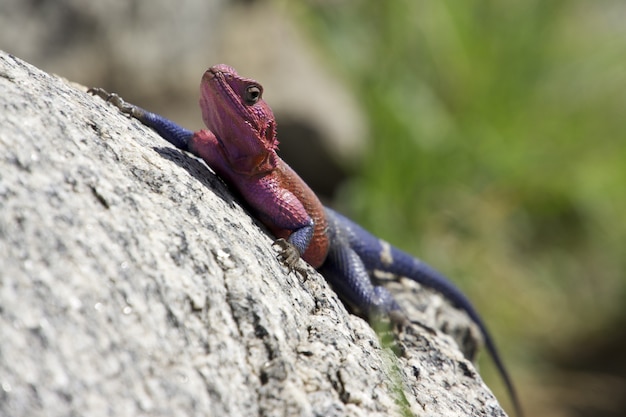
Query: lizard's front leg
289, 256
300, 232
170, 131
293, 247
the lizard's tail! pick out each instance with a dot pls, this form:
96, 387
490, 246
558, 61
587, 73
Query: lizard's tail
380, 255
407, 266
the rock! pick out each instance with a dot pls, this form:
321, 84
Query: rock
133, 283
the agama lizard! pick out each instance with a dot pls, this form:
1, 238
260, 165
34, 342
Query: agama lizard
240, 146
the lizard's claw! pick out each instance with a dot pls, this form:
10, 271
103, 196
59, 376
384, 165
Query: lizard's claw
399, 320
402, 323
116, 100
289, 256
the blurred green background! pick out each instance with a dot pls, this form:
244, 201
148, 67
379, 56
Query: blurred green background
498, 154
496, 147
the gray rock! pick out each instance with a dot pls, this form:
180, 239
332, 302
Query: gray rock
133, 283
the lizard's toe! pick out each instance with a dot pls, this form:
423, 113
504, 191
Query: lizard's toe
289, 256
115, 100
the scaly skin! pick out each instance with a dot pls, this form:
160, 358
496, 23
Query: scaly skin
240, 145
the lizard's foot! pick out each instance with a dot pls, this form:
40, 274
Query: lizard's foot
399, 319
402, 323
289, 256
116, 100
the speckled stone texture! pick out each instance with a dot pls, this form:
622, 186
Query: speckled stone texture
132, 283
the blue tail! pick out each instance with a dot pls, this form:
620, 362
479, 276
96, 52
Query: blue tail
379, 255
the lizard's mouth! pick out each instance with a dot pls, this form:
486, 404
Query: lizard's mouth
212, 73
221, 69
220, 75
220, 94
217, 79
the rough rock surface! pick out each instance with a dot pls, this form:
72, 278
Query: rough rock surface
133, 283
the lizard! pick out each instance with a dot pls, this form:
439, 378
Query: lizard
240, 144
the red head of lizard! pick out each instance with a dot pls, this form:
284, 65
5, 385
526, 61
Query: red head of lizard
234, 110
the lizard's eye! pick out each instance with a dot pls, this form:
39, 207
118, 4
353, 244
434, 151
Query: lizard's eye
252, 94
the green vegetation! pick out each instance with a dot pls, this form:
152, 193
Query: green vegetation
498, 154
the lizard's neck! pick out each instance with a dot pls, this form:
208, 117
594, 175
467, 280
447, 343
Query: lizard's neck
255, 164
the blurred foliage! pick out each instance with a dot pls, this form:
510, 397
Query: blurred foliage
497, 153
